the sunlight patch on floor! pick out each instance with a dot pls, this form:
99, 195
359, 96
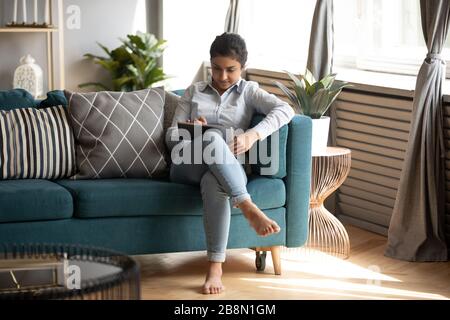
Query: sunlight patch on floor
321, 264
337, 287
332, 294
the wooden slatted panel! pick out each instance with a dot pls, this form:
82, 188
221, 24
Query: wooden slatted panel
376, 128
446, 113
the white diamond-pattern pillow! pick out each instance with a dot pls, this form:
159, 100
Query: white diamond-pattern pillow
118, 134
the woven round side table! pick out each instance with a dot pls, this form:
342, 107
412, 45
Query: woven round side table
326, 232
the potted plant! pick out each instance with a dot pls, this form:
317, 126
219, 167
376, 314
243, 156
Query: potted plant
133, 65
313, 98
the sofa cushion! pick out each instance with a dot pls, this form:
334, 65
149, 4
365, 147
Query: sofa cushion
36, 144
54, 98
265, 165
16, 98
118, 134
143, 197
33, 200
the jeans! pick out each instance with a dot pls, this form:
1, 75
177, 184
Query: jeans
219, 180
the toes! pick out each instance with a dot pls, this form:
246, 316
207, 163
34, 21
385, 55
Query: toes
271, 229
263, 232
259, 230
275, 227
213, 289
266, 228
268, 231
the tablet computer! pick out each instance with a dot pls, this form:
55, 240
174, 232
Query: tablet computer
190, 127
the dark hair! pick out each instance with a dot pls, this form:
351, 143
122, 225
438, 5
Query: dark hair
229, 45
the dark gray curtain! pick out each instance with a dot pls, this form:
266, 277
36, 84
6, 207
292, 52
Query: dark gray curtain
232, 19
416, 231
320, 54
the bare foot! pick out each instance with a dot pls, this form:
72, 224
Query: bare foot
258, 220
213, 283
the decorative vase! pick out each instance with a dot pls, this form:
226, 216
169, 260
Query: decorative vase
320, 128
29, 76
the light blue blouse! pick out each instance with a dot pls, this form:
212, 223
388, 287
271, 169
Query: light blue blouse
233, 109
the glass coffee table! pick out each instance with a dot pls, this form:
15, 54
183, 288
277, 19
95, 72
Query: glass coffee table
53, 271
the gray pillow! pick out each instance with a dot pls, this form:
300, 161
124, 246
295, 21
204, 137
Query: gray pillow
169, 108
118, 134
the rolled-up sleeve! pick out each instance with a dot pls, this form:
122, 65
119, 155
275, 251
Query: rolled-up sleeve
182, 113
278, 113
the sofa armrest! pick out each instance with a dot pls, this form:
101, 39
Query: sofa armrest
298, 180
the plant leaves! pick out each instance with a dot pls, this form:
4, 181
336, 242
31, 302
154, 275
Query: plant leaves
120, 82
133, 65
155, 75
339, 85
328, 80
305, 99
121, 55
307, 83
312, 98
137, 41
109, 65
314, 88
333, 94
309, 77
104, 49
298, 82
133, 70
94, 84
320, 103
93, 57
296, 105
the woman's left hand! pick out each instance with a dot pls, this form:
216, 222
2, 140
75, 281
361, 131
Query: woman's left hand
243, 142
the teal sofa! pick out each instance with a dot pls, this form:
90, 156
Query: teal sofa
141, 216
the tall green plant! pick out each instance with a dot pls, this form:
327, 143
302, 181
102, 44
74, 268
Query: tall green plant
133, 65
312, 98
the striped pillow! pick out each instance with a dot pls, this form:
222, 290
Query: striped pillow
36, 144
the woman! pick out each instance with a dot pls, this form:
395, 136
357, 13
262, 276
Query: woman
228, 100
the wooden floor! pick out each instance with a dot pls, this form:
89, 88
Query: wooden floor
367, 274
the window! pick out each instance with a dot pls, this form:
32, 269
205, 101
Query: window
140, 16
383, 35
277, 33
189, 28
375, 35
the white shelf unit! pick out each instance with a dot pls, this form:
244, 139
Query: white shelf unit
52, 52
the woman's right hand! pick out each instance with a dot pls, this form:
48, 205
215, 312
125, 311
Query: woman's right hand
201, 121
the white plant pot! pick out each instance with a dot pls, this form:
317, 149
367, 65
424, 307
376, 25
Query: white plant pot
320, 128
